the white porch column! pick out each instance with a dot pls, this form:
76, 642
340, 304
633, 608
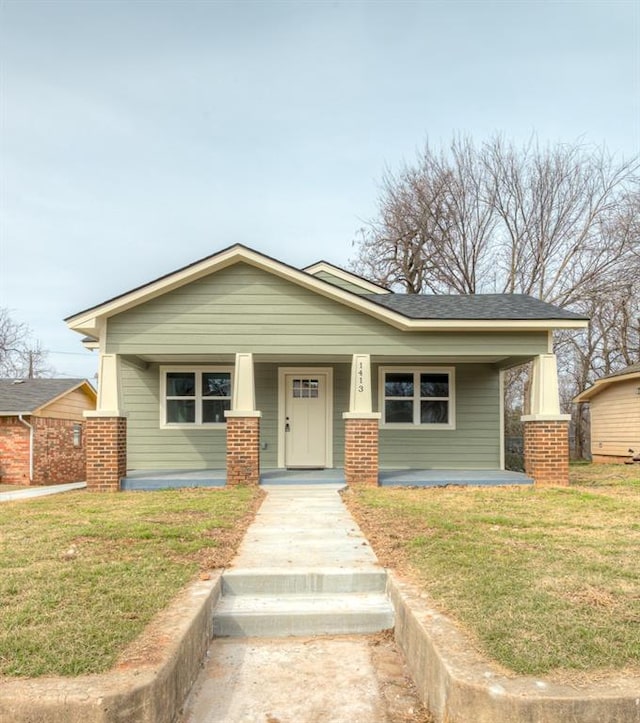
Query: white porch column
360, 392
244, 396
109, 388
544, 396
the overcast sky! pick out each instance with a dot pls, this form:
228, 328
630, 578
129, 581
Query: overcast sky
137, 137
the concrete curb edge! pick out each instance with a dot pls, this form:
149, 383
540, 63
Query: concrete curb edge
458, 686
150, 682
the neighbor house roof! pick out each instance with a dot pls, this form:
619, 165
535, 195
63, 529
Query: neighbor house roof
630, 372
27, 396
407, 313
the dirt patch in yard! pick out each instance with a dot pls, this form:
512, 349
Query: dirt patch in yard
397, 689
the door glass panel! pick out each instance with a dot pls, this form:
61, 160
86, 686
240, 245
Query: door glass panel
305, 388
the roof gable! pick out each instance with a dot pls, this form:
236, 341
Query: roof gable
90, 321
27, 396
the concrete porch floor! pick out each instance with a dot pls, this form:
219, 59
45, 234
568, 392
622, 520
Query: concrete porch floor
174, 479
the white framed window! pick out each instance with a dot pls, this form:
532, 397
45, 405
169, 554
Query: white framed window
194, 396
417, 397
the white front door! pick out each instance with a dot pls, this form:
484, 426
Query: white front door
305, 421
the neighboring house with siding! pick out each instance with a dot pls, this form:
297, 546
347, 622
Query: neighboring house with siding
614, 403
42, 430
242, 362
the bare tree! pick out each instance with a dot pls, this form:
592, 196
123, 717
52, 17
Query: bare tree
20, 355
561, 223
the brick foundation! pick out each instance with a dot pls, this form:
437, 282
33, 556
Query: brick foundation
243, 450
546, 452
361, 451
106, 443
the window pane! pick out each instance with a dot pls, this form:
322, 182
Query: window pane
397, 411
181, 411
434, 412
434, 385
213, 410
181, 384
216, 384
398, 385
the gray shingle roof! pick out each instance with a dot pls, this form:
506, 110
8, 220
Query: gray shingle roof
25, 396
472, 306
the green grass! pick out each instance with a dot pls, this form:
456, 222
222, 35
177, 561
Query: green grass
82, 574
544, 580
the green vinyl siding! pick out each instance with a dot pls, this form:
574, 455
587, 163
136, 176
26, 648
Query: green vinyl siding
473, 444
244, 309
150, 447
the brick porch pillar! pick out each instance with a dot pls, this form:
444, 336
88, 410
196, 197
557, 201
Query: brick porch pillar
243, 448
106, 450
546, 451
361, 449
361, 462
546, 431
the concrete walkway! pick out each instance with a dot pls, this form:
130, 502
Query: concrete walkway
25, 494
306, 563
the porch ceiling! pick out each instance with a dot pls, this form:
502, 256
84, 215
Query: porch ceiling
500, 361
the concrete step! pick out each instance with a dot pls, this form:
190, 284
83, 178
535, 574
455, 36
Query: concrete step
290, 581
302, 614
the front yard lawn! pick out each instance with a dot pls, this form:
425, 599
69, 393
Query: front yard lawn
81, 574
545, 581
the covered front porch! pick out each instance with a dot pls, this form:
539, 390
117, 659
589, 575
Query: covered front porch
147, 480
383, 420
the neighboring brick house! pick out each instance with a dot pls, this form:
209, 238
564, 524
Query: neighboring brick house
42, 430
614, 401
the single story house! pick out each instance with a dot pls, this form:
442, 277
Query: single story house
614, 402
42, 430
242, 362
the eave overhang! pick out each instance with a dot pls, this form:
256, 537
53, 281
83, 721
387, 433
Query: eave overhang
90, 321
603, 384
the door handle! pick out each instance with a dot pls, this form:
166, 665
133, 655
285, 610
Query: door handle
287, 428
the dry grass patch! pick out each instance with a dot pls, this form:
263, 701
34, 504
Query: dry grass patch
82, 574
545, 581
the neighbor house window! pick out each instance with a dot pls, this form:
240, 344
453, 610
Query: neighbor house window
194, 396
420, 397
